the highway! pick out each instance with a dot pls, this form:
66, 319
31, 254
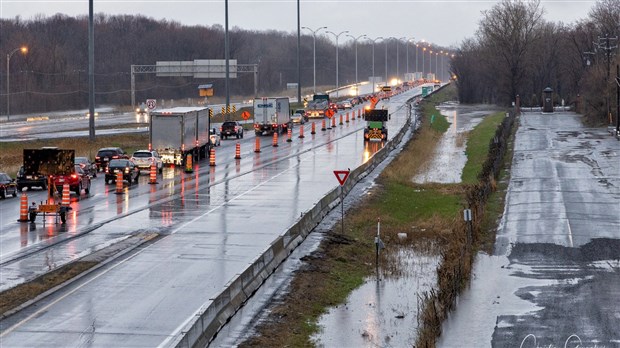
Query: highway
213, 223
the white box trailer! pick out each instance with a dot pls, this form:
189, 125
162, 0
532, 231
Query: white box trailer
272, 115
179, 131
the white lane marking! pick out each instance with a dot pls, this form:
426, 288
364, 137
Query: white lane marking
570, 233
45, 308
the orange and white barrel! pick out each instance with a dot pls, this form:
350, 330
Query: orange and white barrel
257, 145
119, 182
238, 151
212, 157
275, 139
66, 195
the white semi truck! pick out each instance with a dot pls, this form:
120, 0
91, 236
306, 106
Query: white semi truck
272, 115
176, 132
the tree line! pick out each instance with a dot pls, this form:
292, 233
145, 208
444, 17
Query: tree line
53, 74
516, 52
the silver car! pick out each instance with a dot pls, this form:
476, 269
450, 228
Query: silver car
144, 158
298, 118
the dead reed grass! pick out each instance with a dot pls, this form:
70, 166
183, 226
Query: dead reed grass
11, 156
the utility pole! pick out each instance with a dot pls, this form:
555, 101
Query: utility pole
604, 43
298, 55
618, 100
91, 72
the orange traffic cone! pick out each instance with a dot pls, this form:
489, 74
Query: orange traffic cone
23, 208
66, 195
313, 131
212, 158
153, 174
289, 135
323, 125
257, 145
238, 151
353, 115
119, 182
333, 122
301, 131
347, 119
275, 139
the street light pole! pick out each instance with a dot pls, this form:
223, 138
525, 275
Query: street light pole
397, 55
423, 66
386, 74
24, 50
337, 36
355, 41
430, 62
298, 54
436, 64
314, 53
417, 69
373, 62
407, 49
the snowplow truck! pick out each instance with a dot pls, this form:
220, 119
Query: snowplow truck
376, 125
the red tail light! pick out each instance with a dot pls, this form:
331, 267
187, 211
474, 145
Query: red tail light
115, 156
97, 157
236, 129
221, 129
107, 169
74, 176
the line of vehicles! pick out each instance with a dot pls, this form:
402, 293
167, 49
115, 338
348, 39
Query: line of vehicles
176, 133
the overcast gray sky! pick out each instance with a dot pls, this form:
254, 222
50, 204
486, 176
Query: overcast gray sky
441, 22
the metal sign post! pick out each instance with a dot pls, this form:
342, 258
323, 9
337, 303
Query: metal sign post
342, 176
378, 245
467, 218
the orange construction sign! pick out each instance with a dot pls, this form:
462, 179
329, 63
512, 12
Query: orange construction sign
245, 115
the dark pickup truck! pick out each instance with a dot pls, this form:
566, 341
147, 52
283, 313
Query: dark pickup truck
231, 128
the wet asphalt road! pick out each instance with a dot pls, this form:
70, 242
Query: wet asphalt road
554, 278
215, 222
60, 126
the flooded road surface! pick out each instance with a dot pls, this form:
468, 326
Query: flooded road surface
449, 156
383, 312
554, 278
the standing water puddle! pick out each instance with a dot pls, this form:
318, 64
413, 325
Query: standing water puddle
382, 312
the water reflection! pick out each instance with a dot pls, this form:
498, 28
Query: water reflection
370, 148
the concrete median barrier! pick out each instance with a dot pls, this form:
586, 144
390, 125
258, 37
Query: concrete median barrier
202, 329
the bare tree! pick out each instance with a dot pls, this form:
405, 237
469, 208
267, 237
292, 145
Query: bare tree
508, 31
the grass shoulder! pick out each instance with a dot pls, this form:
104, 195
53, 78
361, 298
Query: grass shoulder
478, 146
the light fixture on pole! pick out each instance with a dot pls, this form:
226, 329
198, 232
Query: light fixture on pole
24, 50
373, 62
314, 32
355, 41
337, 36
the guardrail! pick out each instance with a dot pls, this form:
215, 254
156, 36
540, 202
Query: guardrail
212, 318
